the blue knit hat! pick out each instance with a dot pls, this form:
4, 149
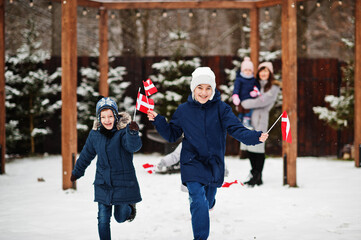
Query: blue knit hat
107, 103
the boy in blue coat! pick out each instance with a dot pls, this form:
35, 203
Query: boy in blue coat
114, 138
204, 120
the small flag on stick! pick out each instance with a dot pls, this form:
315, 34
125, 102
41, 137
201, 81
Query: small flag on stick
143, 103
149, 168
149, 87
286, 128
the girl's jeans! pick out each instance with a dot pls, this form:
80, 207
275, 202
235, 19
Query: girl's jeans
121, 214
201, 199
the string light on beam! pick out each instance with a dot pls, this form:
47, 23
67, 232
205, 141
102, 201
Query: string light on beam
190, 13
112, 15
50, 6
98, 15
302, 7
318, 4
340, 2
244, 15
266, 11
214, 13
11, 1
164, 14
31, 3
138, 14
85, 12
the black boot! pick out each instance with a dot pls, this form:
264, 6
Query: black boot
255, 179
133, 213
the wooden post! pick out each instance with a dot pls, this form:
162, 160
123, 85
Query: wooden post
254, 38
2, 87
103, 53
357, 119
68, 89
289, 80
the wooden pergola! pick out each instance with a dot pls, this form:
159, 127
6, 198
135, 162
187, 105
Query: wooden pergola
69, 66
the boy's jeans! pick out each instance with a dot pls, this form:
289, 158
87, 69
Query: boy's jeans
121, 214
201, 199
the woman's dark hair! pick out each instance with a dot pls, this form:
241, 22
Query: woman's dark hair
270, 78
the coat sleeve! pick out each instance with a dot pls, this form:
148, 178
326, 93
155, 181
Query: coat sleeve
169, 131
237, 84
131, 140
236, 129
87, 154
266, 99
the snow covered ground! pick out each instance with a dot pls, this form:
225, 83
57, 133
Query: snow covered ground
326, 205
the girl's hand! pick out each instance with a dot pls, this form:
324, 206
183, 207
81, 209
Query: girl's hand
151, 115
263, 137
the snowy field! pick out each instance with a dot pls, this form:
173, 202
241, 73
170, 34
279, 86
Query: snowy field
326, 204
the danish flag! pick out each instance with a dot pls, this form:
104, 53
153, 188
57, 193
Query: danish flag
255, 92
228, 184
143, 103
286, 128
149, 87
149, 168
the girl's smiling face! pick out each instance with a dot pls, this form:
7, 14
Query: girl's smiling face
202, 93
107, 119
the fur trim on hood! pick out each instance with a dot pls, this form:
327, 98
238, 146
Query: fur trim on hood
124, 120
277, 83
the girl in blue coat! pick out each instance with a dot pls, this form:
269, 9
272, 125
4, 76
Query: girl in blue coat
204, 120
114, 139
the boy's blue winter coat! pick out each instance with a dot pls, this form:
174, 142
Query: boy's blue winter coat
243, 86
115, 178
205, 128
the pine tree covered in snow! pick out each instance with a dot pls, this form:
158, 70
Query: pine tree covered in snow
173, 77
340, 113
32, 95
172, 81
88, 92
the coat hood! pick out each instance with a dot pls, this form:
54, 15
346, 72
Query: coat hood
123, 120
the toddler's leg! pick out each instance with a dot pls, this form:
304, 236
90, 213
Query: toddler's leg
104, 214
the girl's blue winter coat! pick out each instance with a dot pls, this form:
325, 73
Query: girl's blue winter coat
205, 128
115, 178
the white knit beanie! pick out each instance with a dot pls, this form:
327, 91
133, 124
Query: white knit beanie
247, 64
203, 75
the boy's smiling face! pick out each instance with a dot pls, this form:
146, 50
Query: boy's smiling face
107, 118
202, 93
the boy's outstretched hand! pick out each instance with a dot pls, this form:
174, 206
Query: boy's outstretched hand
151, 115
263, 137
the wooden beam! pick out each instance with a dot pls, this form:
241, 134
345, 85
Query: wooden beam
68, 88
179, 5
254, 38
2, 87
289, 76
357, 118
103, 53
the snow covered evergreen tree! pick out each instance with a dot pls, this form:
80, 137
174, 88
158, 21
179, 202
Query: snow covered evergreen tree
88, 92
173, 77
340, 113
32, 95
